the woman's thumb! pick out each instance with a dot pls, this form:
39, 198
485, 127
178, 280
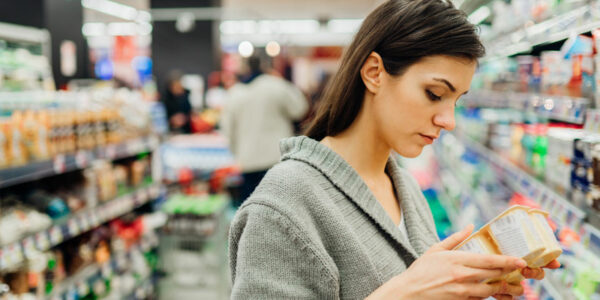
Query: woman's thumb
452, 241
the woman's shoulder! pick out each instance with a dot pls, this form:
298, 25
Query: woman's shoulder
288, 186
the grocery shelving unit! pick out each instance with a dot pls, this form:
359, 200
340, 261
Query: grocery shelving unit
83, 278
61, 164
546, 32
560, 108
14, 254
562, 212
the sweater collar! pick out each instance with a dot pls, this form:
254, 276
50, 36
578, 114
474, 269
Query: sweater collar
345, 178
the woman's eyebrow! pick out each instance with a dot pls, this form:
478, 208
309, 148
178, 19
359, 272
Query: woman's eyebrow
450, 86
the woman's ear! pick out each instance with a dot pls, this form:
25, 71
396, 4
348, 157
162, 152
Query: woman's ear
371, 72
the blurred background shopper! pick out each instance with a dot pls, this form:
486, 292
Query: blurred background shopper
258, 113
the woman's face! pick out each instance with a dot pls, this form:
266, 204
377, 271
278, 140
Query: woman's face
412, 109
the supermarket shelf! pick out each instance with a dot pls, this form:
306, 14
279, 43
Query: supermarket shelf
13, 254
83, 278
562, 212
560, 108
523, 40
71, 162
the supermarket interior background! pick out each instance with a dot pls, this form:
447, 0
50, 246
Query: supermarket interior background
118, 174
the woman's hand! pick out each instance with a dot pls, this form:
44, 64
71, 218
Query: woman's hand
532, 273
445, 274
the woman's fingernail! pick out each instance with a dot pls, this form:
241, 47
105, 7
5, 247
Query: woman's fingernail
520, 263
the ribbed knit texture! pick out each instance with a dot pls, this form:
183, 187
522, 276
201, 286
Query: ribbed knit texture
313, 229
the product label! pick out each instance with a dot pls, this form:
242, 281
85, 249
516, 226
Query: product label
2, 259
42, 241
111, 151
56, 235
544, 225
84, 221
81, 159
13, 254
154, 191
94, 220
29, 246
510, 235
59, 164
73, 227
474, 246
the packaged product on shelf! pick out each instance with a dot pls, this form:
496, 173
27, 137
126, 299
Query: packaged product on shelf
560, 154
556, 72
52, 205
106, 181
4, 144
121, 178
100, 128
20, 221
520, 232
525, 71
17, 147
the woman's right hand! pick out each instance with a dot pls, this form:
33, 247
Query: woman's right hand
445, 274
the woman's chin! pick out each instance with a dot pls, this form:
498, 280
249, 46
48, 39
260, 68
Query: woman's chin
411, 151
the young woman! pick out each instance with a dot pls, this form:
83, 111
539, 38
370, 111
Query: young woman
338, 218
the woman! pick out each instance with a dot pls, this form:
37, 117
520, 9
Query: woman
337, 218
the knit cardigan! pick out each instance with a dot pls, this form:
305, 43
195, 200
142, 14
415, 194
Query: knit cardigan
313, 230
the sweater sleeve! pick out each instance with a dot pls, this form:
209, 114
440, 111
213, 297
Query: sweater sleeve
270, 259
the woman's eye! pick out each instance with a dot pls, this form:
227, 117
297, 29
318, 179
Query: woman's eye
433, 96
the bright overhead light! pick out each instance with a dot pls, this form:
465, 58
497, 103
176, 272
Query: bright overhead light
479, 15
122, 28
93, 29
144, 28
344, 25
111, 8
245, 49
269, 27
273, 49
299, 26
143, 16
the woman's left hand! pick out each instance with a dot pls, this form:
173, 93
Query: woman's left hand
538, 273
532, 273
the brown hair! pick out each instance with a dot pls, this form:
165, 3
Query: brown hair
401, 32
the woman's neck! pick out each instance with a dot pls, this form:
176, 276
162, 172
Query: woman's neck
362, 147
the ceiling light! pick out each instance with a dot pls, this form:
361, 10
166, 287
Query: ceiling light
344, 25
111, 8
122, 28
245, 49
93, 29
273, 49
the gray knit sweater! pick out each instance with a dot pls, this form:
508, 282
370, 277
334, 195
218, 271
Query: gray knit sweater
313, 230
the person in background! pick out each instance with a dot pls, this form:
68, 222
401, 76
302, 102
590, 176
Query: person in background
216, 91
256, 115
177, 102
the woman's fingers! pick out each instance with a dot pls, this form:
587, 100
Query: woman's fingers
488, 261
503, 297
452, 241
533, 273
497, 288
466, 274
553, 265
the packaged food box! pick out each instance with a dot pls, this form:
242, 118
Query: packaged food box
519, 231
